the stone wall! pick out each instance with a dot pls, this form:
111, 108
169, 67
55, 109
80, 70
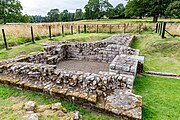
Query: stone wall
106, 91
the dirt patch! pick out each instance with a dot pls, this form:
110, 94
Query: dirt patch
85, 66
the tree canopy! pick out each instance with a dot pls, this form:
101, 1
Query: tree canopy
154, 8
10, 10
53, 15
79, 14
119, 10
173, 9
96, 9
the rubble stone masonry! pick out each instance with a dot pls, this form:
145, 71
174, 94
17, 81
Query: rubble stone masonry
110, 92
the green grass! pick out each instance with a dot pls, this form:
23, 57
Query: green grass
29, 47
161, 55
161, 97
7, 114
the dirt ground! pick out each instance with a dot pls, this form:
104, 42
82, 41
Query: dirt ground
84, 66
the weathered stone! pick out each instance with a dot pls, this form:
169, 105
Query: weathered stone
32, 116
30, 106
42, 108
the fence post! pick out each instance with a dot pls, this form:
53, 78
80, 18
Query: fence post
124, 27
32, 35
156, 27
79, 29
97, 28
164, 30
62, 29
110, 29
85, 29
139, 28
72, 29
50, 32
160, 28
4, 36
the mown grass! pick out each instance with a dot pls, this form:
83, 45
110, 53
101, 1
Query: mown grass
7, 114
161, 97
161, 55
29, 47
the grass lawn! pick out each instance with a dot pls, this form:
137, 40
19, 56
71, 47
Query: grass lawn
161, 55
6, 113
161, 97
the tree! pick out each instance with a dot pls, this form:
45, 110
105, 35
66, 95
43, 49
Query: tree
53, 15
97, 9
64, 16
38, 19
154, 8
92, 9
135, 8
10, 10
120, 10
106, 9
25, 18
173, 9
78, 14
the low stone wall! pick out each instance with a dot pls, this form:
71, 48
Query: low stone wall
106, 91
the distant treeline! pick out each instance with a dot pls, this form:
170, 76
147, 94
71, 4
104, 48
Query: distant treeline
10, 11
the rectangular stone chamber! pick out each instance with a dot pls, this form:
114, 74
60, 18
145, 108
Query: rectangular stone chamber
98, 75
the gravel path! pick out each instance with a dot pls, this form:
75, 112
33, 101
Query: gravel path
85, 66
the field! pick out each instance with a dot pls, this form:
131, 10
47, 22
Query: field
17, 34
160, 94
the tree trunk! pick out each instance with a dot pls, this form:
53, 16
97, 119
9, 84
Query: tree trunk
140, 17
155, 18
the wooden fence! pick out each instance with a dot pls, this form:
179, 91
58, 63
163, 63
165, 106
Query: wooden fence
173, 29
31, 31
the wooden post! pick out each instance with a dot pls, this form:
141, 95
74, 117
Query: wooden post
97, 30
72, 29
62, 29
164, 29
4, 36
139, 28
156, 27
124, 27
32, 35
160, 28
50, 32
110, 29
79, 29
85, 29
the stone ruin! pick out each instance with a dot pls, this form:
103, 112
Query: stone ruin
109, 91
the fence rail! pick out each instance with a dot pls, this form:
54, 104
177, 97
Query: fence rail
32, 32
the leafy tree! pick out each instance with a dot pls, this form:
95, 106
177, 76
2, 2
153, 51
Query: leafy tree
106, 9
173, 9
78, 14
25, 18
10, 10
38, 19
71, 16
98, 8
135, 8
92, 9
53, 15
154, 8
120, 10
64, 16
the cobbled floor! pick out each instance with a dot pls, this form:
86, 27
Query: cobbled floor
84, 66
